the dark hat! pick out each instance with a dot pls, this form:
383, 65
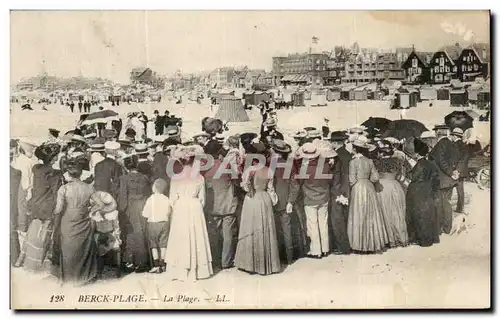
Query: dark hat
309, 128
172, 130
54, 132
441, 127
130, 132
247, 138
156, 112
47, 152
213, 148
125, 143
170, 142
257, 148
338, 136
280, 146
420, 147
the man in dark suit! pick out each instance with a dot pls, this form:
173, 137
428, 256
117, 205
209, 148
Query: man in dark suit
446, 154
108, 171
159, 123
271, 133
339, 212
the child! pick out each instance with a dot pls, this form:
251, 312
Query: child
157, 211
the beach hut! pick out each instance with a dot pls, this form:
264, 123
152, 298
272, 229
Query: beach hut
347, 93
458, 98
298, 98
428, 93
231, 109
484, 98
333, 94
473, 91
443, 94
255, 97
361, 93
405, 98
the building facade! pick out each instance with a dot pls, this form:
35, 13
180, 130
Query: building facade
473, 62
221, 77
443, 66
142, 75
370, 66
310, 68
417, 69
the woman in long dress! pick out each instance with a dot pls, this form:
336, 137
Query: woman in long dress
78, 260
366, 227
46, 183
188, 255
392, 197
257, 250
135, 189
422, 198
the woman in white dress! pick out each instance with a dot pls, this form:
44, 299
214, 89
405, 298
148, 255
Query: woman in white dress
188, 254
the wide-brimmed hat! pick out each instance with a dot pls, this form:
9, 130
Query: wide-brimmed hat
247, 138
357, 129
362, 142
308, 150
97, 147
103, 202
270, 122
141, 149
458, 132
111, 146
160, 138
125, 143
300, 134
326, 149
90, 136
338, 136
428, 134
172, 130
280, 146
46, 152
201, 134
78, 138
27, 146
314, 134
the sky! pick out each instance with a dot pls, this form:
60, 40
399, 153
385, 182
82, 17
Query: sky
109, 44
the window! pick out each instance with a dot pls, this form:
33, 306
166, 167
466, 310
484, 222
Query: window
455, 68
441, 61
419, 70
476, 67
437, 60
469, 68
414, 62
447, 68
464, 68
464, 59
441, 69
317, 61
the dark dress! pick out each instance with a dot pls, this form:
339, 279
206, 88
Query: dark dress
78, 259
135, 189
421, 204
15, 180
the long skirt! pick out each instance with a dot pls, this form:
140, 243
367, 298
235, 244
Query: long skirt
392, 201
257, 250
366, 225
35, 247
78, 251
136, 241
23, 220
188, 254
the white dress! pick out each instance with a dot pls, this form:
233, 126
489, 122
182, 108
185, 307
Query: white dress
188, 250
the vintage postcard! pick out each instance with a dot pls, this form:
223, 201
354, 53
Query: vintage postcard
244, 160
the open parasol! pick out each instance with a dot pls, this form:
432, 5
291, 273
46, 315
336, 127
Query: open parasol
461, 119
401, 129
375, 125
100, 117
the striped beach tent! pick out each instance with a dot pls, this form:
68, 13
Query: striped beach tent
231, 109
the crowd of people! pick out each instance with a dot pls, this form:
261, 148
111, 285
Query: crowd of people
84, 203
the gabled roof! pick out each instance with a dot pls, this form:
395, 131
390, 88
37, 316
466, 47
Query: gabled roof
453, 51
425, 57
479, 48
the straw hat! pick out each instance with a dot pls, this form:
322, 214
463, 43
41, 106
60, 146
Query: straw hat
308, 150
97, 147
78, 138
458, 132
280, 146
428, 134
327, 151
141, 149
300, 134
270, 121
362, 142
111, 146
201, 134
103, 202
314, 134
27, 146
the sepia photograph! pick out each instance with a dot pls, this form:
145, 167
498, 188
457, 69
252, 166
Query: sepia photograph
250, 159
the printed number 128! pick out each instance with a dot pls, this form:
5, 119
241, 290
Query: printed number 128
57, 298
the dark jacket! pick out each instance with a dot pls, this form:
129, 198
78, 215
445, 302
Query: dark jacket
46, 183
275, 135
284, 186
446, 155
467, 151
340, 181
107, 176
316, 190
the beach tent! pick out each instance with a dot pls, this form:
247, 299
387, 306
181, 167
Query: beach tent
405, 98
458, 98
231, 109
428, 93
443, 94
361, 93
